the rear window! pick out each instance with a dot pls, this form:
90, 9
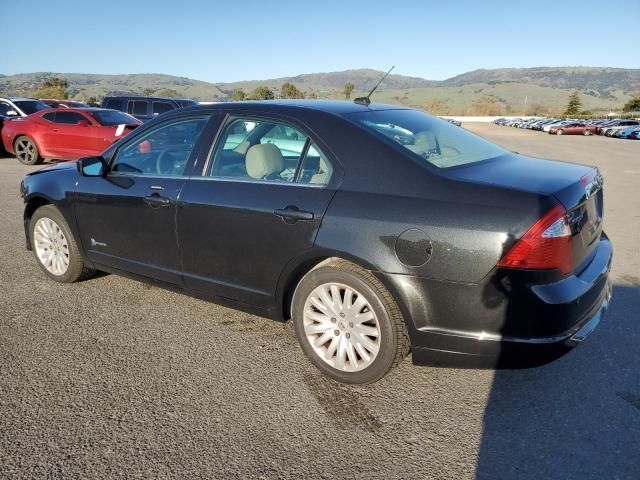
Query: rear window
435, 141
113, 117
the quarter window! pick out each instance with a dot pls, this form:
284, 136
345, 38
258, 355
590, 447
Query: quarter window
265, 150
51, 116
162, 151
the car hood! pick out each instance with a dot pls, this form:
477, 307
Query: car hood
54, 167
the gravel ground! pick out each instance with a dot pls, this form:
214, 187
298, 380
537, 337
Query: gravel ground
112, 378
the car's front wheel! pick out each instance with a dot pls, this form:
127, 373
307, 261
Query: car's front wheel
560, 132
55, 247
348, 324
26, 151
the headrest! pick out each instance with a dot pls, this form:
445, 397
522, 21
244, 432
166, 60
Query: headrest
263, 160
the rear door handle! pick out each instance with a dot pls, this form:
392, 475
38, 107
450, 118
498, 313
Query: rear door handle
292, 214
156, 201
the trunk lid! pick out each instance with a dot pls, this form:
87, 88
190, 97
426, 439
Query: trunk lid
577, 187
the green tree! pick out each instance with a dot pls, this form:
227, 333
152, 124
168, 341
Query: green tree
52, 87
289, 90
262, 93
311, 94
92, 102
55, 82
575, 104
167, 92
348, 88
238, 95
148, 91
632, 105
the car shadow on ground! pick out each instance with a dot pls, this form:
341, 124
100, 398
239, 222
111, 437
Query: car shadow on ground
577, 417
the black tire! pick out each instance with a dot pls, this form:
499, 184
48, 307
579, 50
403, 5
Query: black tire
586, 132
26, 151
560, 132
76, 270
394, 341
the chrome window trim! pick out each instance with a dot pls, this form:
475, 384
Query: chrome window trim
256, 181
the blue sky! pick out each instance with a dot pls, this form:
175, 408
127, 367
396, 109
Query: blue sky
242, 40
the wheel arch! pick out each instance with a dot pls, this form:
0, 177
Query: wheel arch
31, 205
298, 268
33, 138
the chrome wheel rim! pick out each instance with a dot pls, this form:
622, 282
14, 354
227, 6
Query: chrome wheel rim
52, 248
25, 150
341, 327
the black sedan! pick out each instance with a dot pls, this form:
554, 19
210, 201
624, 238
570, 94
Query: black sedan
379, 230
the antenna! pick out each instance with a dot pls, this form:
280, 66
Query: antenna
365, 100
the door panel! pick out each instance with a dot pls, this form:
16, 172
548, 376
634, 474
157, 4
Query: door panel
128, 222
232, 241
127, 219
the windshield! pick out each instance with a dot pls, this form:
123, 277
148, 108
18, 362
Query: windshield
438, 142
113, 117
31, 106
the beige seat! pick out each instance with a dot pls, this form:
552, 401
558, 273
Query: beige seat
324, 173
263, 161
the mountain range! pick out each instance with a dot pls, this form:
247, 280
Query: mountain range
602, 88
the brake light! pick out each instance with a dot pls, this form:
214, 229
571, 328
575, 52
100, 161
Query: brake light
546, 246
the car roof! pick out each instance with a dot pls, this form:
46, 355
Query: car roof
20, 99
337, 107
140, 97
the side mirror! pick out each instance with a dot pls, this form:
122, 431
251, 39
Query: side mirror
84, 123
11, 113
91, 166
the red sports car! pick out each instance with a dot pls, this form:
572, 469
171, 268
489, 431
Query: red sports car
65, 134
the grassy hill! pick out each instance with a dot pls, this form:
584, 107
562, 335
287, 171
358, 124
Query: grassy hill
545, 88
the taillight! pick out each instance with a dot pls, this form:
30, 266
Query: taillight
546, 246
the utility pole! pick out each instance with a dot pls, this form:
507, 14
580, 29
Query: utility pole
524, 114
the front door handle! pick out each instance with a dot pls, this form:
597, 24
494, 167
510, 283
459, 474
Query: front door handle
292, 214
156, 201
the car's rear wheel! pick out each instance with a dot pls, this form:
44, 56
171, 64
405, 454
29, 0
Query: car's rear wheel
55, 247
26, 151
348, 324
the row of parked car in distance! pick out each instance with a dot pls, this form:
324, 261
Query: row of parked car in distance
34, 130
628, 128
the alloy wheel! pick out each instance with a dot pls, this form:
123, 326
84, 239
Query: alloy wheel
341, 327
52, 248
25, 150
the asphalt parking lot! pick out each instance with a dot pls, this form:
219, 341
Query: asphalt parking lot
113, 378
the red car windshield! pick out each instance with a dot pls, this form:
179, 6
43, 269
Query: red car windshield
110, 118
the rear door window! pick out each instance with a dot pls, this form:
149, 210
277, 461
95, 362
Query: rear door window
267, 150
162, 107
137, 107
115, 104
69, 118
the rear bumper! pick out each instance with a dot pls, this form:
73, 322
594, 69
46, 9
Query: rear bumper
490, 326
